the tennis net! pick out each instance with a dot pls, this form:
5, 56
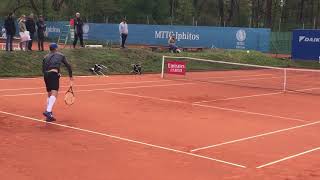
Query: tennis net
241, 75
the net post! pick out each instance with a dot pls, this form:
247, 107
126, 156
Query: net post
284, 79
162, 69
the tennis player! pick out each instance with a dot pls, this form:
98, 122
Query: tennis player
51, 72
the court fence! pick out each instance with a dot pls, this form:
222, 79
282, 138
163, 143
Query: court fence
280, 42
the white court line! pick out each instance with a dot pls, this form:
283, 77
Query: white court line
137, 82
190, 82
287, 158
91, 90
8, 79
41, 77
194, 104
126, 139
248, 79
231, 80
248, 112
222, 77
240, 97
29, 94
207, 106
309, 89
93, 76
26, 94
256, 95
30, 78
86, 85
256, 136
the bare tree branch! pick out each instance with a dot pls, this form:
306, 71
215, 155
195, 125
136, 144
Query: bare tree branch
56, 4
34, 7
21, 6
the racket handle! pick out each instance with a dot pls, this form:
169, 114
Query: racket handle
71, 82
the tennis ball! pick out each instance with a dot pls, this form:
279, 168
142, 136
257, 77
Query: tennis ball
248, 51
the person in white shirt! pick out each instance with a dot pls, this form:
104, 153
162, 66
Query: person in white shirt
123, 29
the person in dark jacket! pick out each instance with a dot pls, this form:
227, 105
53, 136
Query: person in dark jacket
78, 34
31, 27
41, 31
10, 27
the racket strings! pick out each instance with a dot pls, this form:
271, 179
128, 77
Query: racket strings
69, 97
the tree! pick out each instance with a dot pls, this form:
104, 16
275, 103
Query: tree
269, 14
184, 12
56, 4
230, 11
301, 17
318, 15
221, 11
161, 12
259, 13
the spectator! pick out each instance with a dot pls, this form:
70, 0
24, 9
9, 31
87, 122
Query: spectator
23, 33
123, 29
172, 44
41, 32
78, 25
31, 27
10, 31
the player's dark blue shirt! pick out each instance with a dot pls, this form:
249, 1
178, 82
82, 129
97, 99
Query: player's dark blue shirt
54, 61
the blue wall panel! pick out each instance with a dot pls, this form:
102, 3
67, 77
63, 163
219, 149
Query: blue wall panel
200, 36
306, 44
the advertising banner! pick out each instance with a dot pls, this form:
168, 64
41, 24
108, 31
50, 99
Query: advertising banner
306, 44
176, 67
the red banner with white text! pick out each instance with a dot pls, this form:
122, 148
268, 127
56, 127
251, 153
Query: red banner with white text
176, 67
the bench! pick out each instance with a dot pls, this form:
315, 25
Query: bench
15, 46
15, 40
15, 43
93, 46
156, 48
192, 49
162, 48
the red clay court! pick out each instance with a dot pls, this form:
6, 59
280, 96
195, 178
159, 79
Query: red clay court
145, 127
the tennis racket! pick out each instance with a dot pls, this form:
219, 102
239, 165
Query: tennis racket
69, 97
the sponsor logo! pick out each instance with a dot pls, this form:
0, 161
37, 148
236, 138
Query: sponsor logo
176, 67
52, 29
241, 35
179, 35
309, 39
301, 38
86, 28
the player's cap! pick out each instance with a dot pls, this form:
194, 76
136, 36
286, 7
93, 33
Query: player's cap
53, 46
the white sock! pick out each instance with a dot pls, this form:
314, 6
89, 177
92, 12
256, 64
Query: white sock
52, 100
47, 102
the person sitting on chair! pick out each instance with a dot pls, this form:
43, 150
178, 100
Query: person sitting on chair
172, 44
